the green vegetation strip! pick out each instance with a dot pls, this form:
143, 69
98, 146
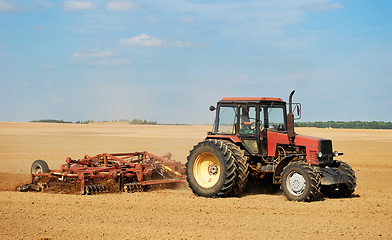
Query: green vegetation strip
350, 124
133, 122
329, 124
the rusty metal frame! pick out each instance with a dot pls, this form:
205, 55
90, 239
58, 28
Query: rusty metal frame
136, 165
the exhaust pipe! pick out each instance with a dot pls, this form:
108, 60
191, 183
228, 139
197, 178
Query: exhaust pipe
290, 120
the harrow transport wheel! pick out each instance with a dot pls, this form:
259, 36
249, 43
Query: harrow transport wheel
300, 182
242, 169
210, 169
342, 190
39, 166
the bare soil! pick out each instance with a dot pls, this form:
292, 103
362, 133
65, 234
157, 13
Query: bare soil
178, 213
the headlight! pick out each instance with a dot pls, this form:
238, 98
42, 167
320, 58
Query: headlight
319, 154
335, 154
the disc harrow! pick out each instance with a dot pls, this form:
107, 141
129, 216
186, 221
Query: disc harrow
104, 173
95, 189
133, 187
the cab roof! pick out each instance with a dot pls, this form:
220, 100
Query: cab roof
251, 99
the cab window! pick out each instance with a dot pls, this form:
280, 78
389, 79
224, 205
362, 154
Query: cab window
276, 119
226, 120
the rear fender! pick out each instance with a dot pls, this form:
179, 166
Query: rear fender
234, 139
231, 138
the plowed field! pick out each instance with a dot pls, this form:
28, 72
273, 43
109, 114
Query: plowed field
178, 213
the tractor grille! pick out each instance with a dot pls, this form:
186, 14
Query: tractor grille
325, 146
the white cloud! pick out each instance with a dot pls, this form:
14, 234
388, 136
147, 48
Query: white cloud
183, 44
239, 17
143, 40
322, 5
78, 5
187, 20
121, 6
48, 5
110, 62
56, 99
91, 54
98, 58
47, 66
7, 7
22, 84
246, 18
38, 28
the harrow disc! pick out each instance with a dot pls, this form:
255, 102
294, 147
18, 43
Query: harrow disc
133, 187
95, 189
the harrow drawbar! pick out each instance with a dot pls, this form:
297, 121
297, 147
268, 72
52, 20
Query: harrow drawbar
103, 173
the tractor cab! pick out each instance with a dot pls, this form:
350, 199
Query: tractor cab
248, 120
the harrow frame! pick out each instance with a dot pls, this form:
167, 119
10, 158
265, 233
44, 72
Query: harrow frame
132, 172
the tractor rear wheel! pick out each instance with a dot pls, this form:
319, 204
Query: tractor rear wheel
342, 190
39, 166
211, 169
242, 169
300, 182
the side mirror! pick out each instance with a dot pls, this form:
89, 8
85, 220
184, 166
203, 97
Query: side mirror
212, 108
297, 106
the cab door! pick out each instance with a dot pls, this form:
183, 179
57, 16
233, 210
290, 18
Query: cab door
249, 128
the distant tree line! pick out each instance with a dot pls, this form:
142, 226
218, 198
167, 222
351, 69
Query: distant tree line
349, 124
142, 122
51, 121
329, 124
134, 121
84, 122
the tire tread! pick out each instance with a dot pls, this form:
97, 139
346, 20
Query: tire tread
230, 168
314, 180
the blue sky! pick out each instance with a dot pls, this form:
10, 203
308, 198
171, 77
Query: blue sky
168, 61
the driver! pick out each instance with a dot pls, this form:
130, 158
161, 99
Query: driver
246, 124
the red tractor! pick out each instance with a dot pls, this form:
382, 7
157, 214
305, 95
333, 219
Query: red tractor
255, 138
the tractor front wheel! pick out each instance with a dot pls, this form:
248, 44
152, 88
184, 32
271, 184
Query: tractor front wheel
300, 182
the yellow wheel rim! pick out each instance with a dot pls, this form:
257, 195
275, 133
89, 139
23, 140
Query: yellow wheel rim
206, 170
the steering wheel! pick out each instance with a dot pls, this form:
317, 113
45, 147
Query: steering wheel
280, 127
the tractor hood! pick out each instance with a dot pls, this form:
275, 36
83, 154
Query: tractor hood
313, 145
